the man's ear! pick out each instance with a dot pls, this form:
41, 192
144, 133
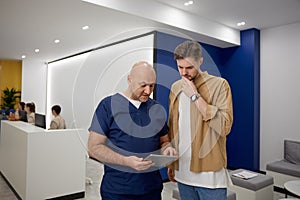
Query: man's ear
201, 61
129, 79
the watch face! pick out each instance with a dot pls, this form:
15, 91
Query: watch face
193, 97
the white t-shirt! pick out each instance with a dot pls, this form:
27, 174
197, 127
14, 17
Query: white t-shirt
136, 103
219, 179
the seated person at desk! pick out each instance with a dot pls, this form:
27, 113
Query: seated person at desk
30, 109
58, 122
21, 113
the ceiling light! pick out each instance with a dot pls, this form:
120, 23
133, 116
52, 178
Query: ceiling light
23, 56
85, 27
36, 50
187, 3
56, 41
241, 24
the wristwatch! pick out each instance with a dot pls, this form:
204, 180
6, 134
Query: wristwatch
194, 97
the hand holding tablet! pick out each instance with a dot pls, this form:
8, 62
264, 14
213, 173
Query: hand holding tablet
161, 160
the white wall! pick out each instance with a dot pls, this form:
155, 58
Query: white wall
79, 83
280, 93
34, 76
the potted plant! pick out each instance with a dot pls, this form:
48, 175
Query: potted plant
9, 98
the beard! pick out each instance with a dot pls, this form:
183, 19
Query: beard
191, 78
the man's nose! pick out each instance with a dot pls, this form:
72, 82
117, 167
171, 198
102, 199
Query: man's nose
147, 90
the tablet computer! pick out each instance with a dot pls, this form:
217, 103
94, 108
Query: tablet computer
161, 160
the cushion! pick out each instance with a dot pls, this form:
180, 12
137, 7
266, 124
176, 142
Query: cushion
292, 151
256, 183
284, 167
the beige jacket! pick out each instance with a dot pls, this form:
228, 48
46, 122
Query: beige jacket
208, 134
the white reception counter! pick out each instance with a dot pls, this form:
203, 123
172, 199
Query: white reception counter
42, 164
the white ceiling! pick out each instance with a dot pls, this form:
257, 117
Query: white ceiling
29, 24
258, 14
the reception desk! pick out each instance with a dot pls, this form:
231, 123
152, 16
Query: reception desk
42, 164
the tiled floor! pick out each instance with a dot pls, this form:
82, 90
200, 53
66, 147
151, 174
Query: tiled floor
5, 192
94, 172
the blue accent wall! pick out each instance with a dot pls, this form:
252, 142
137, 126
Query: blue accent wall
240, 66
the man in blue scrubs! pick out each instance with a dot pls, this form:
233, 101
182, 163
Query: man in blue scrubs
126, 127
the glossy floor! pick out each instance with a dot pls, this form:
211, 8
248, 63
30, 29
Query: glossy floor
94, 173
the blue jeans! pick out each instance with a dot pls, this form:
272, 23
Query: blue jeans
188, 192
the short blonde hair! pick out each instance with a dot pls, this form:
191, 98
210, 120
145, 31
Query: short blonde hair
188, 49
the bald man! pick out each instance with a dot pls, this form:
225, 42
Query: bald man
127, 127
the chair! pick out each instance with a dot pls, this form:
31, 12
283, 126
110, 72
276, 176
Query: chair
288, 168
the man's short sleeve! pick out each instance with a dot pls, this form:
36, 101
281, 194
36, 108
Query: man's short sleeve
100, 122
164, 130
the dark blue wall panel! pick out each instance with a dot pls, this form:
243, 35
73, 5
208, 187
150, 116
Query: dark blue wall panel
240, 67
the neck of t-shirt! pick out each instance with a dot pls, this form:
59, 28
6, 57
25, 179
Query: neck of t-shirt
136, 103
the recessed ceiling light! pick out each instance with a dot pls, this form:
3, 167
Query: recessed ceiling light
187, 3
56, 41
85, 27
23, 56
241, 24
36, 50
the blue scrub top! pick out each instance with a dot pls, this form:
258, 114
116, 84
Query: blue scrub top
130, 131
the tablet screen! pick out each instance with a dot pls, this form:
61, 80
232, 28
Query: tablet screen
161, 160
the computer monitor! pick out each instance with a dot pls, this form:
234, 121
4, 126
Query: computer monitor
23, 115
40, 120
